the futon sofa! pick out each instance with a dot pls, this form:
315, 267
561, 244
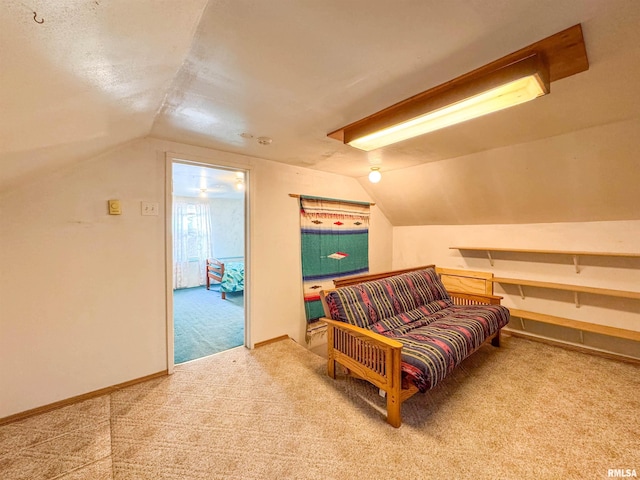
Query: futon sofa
404, 332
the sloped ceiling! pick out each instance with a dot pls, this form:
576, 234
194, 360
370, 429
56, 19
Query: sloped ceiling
221, 74
92, 76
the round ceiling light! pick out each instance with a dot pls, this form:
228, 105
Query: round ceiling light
374, 175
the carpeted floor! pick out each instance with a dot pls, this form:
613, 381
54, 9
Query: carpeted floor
205, 324
523, 411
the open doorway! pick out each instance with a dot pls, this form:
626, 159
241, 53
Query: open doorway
207, 229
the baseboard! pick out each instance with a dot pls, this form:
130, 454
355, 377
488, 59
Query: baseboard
79, 398
571, 346
272, 340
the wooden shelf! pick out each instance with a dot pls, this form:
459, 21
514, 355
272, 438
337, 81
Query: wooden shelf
555, 252
577, 325
576, 289
572, 253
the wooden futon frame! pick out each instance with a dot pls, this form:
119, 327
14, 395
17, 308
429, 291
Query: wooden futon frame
376, 358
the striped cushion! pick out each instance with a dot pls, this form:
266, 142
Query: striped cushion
420, 316
415, 309
371, 303
435, 345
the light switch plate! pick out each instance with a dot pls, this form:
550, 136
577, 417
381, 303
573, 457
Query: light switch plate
150, 208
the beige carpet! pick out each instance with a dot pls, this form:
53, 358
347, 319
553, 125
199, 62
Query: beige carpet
524, 411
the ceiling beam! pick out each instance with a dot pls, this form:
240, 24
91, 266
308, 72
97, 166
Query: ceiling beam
564, 53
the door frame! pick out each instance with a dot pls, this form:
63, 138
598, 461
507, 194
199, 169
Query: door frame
170, 159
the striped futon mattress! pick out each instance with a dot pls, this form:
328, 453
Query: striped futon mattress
415, 309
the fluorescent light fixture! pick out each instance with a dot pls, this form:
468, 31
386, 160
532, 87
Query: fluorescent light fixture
470, 96
505, 96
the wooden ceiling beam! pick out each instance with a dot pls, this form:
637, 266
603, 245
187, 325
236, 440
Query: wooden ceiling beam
564, 53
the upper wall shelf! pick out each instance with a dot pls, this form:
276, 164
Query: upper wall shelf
576, 289
572, 253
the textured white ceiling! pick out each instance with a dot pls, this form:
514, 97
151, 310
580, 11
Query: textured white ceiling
99, 73
295, 71
206, 182
89, 78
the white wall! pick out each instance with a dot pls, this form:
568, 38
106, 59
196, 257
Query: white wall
82, 293
430, 244
228, 227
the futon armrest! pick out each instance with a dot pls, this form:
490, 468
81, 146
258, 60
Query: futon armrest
363, 333
464, 298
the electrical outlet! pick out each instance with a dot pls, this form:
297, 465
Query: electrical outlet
150, 208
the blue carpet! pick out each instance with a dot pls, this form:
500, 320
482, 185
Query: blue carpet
205, 324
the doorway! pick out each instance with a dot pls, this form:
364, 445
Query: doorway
207, 229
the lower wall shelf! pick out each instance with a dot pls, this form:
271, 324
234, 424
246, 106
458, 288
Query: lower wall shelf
601, 339
572, 345
577, 325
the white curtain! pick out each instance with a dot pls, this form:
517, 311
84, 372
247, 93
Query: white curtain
192, 241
